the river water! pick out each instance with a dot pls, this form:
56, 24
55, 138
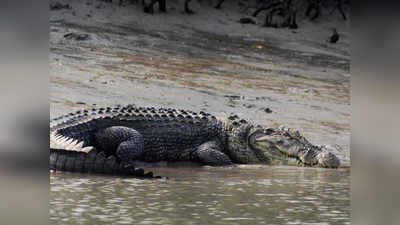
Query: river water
205, 195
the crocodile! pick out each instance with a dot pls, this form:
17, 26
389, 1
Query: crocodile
121, 135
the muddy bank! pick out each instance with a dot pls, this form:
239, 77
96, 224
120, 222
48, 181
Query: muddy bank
206, 61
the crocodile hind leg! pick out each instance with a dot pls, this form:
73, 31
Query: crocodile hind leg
210, 153
131, 149
124, 142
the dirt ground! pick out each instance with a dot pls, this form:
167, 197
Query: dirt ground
206, 61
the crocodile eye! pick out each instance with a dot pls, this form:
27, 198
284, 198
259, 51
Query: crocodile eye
268, 131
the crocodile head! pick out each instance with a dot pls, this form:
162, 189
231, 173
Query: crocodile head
256, 144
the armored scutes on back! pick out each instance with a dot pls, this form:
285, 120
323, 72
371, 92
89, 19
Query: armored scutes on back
128, 133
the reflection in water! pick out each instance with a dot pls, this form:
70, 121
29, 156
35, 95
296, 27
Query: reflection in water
244, 195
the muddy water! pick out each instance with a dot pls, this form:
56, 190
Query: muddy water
244, 195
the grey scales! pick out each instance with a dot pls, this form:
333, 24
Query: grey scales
109, 139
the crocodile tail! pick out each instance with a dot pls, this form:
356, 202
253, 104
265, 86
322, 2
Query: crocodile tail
95, 162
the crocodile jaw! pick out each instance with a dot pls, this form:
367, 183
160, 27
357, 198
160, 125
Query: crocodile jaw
283, 148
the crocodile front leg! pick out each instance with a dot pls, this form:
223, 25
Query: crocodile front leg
124, 142
210, 153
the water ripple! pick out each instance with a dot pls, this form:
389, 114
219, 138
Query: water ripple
266, 195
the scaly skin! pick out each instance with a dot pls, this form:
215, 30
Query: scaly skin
92, 162
128, 133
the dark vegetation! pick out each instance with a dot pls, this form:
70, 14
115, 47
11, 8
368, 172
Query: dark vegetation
59, 6
278, 13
